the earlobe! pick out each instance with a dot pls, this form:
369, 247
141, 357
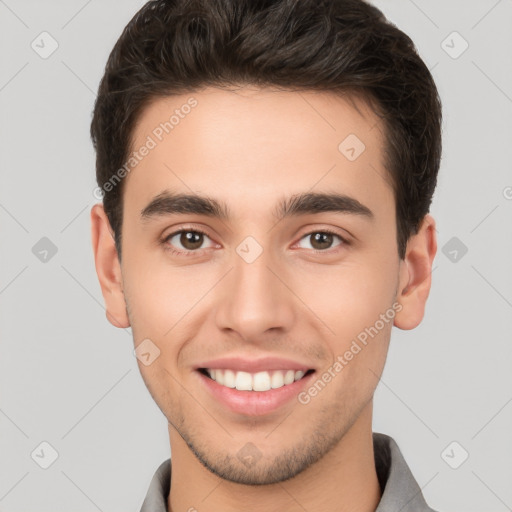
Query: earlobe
416, 274
108, 268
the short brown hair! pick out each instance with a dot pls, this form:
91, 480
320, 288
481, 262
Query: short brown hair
178, 46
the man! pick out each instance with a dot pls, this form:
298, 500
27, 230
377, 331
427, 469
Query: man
267, 169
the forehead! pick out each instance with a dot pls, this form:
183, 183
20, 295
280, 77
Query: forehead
252, 144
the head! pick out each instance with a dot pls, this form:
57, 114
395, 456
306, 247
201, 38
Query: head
255, 127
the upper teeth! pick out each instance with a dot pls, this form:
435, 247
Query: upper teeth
261, 381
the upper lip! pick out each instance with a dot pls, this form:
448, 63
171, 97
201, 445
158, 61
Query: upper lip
253, 365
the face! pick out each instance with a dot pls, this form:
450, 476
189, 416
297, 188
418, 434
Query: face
284, 270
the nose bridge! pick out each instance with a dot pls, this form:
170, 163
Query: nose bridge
255, 298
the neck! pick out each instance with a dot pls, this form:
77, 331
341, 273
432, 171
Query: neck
344, 480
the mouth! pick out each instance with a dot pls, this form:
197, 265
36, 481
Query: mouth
254, 394
259, 381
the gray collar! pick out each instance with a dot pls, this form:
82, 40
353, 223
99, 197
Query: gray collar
400, 492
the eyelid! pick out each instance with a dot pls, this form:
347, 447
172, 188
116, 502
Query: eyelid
346, 238
186, 227
181, 229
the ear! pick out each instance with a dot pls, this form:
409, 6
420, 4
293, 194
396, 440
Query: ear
108, 268
415, 275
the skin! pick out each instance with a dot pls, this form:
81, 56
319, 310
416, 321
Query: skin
250, 148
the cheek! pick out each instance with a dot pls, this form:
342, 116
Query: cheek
347, 297
160, 295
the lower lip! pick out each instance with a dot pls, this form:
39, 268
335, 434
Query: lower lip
255, 403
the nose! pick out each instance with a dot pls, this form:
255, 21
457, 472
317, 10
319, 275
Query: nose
256, 298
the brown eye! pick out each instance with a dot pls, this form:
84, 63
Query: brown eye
322, 240
186, 240
191, 239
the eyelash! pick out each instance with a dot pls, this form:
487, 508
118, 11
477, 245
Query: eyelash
173, 251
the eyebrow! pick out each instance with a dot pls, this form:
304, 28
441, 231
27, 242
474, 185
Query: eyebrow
167, 203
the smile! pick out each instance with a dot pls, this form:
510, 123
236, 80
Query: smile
259, 381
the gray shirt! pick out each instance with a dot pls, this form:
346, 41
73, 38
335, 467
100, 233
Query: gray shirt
400, 492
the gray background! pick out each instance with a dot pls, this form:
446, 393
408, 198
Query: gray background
69, 378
